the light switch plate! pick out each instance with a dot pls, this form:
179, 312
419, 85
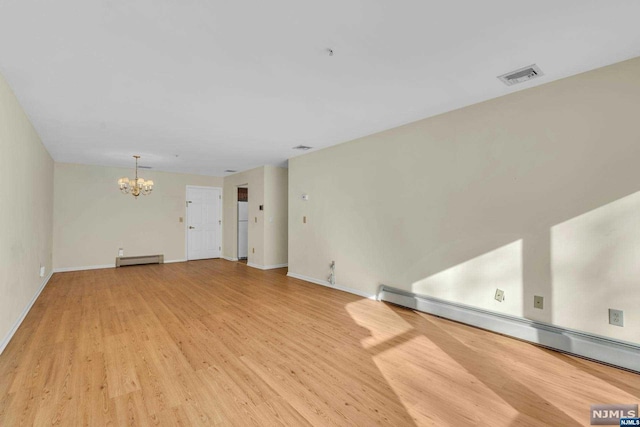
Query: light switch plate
499, 295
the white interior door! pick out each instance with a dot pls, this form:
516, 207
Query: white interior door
204, 222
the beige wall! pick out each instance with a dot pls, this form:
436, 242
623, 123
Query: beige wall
267, 228
276, 215
26, 210
93, 219
536, 193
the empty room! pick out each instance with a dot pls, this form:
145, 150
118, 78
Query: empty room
349, 213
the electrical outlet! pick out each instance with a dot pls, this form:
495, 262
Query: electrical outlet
616, 317
499, 295
538, 302
42, 270
120, 252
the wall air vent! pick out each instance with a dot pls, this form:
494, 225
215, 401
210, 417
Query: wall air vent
144, 167
302, 147
521, 75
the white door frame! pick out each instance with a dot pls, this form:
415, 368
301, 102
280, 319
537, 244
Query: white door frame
186, 219
237, 227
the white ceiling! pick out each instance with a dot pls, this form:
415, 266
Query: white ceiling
237, 84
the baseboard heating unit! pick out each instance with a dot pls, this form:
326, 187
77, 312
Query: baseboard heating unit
122, 261
622, 354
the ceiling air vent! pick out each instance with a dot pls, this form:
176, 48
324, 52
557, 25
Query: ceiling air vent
144, 167
230, 171
302, 147
521, 75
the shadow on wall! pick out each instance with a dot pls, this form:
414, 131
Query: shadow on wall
467, 282
581, 267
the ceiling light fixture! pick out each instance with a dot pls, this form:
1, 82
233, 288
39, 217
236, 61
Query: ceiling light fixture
136, 186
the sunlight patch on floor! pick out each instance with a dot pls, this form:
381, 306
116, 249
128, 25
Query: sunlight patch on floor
546, 375
382, 323
441, 401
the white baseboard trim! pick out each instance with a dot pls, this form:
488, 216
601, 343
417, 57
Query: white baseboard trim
229, 258
87, 267
606, 350
18, 322
266, 267
329, 285
99, 267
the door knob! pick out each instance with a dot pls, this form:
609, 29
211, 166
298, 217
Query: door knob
191, 228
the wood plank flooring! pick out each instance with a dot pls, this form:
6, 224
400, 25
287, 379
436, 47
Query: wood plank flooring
220, 343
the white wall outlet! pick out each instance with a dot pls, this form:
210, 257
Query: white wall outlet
305, 197
120, 252
499, 295
42, 270
616, 317
538, 302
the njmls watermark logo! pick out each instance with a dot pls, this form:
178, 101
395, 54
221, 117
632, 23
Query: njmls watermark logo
614, 415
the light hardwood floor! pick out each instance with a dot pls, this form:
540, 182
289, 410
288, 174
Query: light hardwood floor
219, 343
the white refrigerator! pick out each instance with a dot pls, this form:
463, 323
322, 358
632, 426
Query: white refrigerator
243, 230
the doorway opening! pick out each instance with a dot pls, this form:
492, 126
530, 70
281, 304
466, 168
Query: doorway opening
243, 223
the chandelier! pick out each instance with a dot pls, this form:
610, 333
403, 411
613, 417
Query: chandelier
136, 186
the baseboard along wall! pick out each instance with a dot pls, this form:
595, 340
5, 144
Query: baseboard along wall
613, 352
329, 285
18, 322
606, 350
266, 267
